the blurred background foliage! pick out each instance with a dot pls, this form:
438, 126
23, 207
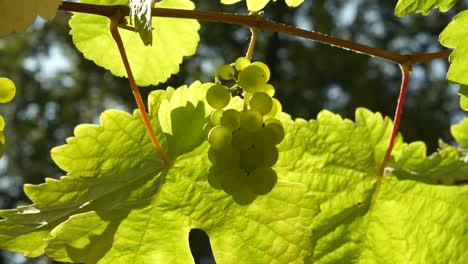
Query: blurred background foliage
58, 89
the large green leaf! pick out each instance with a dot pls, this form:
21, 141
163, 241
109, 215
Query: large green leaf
17, 16
172, 40
118, 204
406, 7
455, 36
257, 5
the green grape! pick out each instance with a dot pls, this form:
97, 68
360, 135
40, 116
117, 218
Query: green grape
261, 102
242, 139
212, 156
264, 136
231, 119
268, 89
244, 196
264, 67
278, 131
215, 117
233, 180
267, 156
226, 72
259, 156
227, 157
276, 109
262, 180
251, 120
2, 123
215, 177
218, 96
219, 137
7, 90
252, 78
241, 63
206, 128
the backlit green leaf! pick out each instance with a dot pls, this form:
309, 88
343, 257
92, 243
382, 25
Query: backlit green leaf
463, 92
455, 36
172, 40
460, 133
406, 7
118, 202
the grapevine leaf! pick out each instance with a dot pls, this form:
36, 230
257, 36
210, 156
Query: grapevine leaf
140, 14
455, 36
329, 205
172, 40
463, 92
17, 16
406, 7
257, 5
460, 133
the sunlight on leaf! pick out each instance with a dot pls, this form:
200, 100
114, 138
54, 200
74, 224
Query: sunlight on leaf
172, 40
257, 5
406, 7
455, 36
329, 205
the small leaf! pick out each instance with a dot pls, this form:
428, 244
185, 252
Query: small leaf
406, 7
140, 14
18, 15
463, 92
455, 36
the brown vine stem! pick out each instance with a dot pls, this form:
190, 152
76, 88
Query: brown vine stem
114, 21
406, 71
253, 21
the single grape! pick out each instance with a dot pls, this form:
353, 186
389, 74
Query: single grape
230, 119
277, 130
218, 96
206, 128
268, 89
2, 123
226, 72
212, 156
244, 196
7, 90
261, 102
233, 180
262, 180
275, 110
252, 78
241, 63
251, 120
215, 177
215, 117
242, 139
264, 67
219, 137
268, 156
227, 157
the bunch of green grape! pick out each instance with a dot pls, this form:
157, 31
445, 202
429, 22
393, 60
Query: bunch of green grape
243, 143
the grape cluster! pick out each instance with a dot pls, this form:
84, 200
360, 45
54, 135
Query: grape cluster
243, 143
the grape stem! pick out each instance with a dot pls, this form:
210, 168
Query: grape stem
253, 40
260, 23
406, 71
114, 22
